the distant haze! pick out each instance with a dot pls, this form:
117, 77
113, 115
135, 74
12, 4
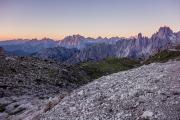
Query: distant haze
91, 18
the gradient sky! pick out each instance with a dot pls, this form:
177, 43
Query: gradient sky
93, 18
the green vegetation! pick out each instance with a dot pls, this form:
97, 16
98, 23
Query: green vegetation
112, 65
163, 56
108, 66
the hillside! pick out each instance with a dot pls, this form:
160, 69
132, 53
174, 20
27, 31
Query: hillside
108, 66
150, 92
112, 65
164, 56
32, 76
27, 83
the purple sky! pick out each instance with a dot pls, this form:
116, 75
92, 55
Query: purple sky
93, 18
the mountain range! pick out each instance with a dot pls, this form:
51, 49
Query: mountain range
76, 48
46, 88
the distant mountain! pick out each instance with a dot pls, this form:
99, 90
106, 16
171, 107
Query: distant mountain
90, 49
27, 47
80, 42
75, 41
57, 53
71, 46
137, 48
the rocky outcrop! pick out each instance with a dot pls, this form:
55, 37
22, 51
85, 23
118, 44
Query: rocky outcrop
149, 92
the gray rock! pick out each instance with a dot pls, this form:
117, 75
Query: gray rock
3, 116
131, 95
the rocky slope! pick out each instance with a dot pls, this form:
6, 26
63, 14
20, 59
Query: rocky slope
30, 76
150, 92
26, 83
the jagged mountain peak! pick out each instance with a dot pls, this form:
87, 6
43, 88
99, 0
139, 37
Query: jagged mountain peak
140, 36
47, 39
165, 29
74, 37
163, 32
71, 41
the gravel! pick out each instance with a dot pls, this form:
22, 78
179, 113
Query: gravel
150, 92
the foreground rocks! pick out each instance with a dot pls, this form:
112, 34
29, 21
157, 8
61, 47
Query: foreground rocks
29, 76
27, 85
25, 107
150, 92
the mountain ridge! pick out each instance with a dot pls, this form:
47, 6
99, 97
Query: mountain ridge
91, 49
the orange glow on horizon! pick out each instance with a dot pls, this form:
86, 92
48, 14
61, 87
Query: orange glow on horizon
11, 37
22, 35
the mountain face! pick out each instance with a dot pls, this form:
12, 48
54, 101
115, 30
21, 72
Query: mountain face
58, 53
136, 48
178, 37
75, 41
80, 42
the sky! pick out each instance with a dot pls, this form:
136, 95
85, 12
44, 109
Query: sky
90, 18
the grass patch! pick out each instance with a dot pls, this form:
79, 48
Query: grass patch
163, 56
108, 66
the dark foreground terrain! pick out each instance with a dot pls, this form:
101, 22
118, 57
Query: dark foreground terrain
25, 83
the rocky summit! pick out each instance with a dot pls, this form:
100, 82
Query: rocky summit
150, 92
